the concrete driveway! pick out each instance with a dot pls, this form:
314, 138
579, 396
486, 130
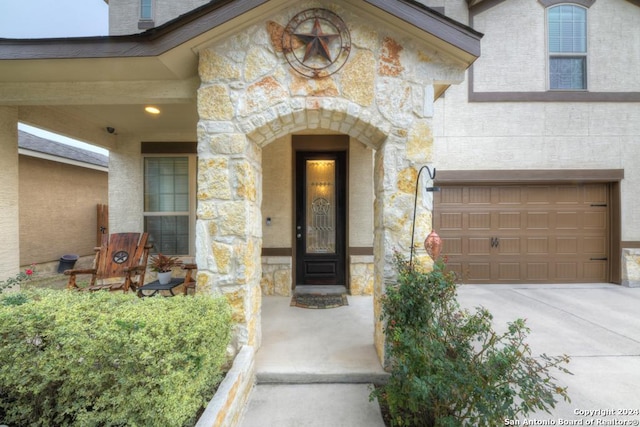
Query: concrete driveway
314, 366
597, 325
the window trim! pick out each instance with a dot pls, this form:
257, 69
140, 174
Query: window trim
585, 55
192, 166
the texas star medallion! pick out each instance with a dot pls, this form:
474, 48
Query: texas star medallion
316, 43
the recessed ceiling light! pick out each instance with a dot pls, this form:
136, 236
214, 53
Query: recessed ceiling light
152, 110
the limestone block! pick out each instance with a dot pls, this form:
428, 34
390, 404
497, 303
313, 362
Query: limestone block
213, 179
214, 103
258, 63
282, 282
266, 283
390, 63
212, 67
364, 37
631, 267
236, 297
407, 180
358, 78
228, 143
394, 100
420, 143
361, 277
233, 219
265, 93
222, 254
302, 86
204, 283
245, 180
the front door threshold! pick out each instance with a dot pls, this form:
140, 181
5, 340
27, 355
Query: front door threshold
321, 289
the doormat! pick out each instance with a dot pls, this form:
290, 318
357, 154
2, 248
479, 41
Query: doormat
319, 300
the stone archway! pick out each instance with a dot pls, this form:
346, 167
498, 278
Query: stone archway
249, 99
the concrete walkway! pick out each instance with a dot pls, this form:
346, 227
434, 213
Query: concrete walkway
316, 367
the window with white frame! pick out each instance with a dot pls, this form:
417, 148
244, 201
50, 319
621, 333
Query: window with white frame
169, 203
567, 44
146, 10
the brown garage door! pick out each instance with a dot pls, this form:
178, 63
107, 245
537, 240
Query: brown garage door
525, 233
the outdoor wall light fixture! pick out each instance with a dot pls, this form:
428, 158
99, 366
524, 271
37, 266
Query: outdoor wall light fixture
433, 243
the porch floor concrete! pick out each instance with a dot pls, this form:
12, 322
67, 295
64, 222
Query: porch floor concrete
316, 367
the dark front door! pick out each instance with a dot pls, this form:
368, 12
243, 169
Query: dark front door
320, 218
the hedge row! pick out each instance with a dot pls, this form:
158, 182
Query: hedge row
110, 359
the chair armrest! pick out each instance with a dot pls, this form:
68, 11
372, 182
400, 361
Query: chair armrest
189, 266
135, 269
80, 271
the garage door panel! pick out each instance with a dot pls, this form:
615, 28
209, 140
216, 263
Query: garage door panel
595, 245
539, 195
595, 220
479, 246
479, 221
526, 233
453, 245
566, 245
566, 271
595, 194
479, 195
595, 271
509, 195
537, 245
451, 221
509, 246
537, 220
479, 271
537, 271
568, 195
509, 220
509, 271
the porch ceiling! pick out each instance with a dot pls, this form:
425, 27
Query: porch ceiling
107, 81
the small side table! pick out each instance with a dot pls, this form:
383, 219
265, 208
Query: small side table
156, 287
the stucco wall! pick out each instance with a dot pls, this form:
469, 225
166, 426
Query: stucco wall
277, 181
547, 135
9, 192
125, 14
58, 209
514, 56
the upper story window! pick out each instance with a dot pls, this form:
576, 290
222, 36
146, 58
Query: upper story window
146, 10
567, 44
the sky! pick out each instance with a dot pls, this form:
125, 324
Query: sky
24, 19
53, 18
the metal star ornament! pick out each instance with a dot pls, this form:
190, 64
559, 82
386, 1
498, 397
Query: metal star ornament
317, 42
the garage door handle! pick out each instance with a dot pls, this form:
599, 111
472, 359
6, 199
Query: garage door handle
495, 242
599, 259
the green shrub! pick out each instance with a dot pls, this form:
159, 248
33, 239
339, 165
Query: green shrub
107, 359
449, 367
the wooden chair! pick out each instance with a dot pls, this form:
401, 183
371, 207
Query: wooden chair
120, 263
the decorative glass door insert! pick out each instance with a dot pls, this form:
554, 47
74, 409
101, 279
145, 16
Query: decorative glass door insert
320, 203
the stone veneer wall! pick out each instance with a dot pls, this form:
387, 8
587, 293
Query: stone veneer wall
276, 276
361, 274
249, 96
631, 268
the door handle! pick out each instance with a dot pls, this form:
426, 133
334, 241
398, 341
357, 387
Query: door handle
495, 242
